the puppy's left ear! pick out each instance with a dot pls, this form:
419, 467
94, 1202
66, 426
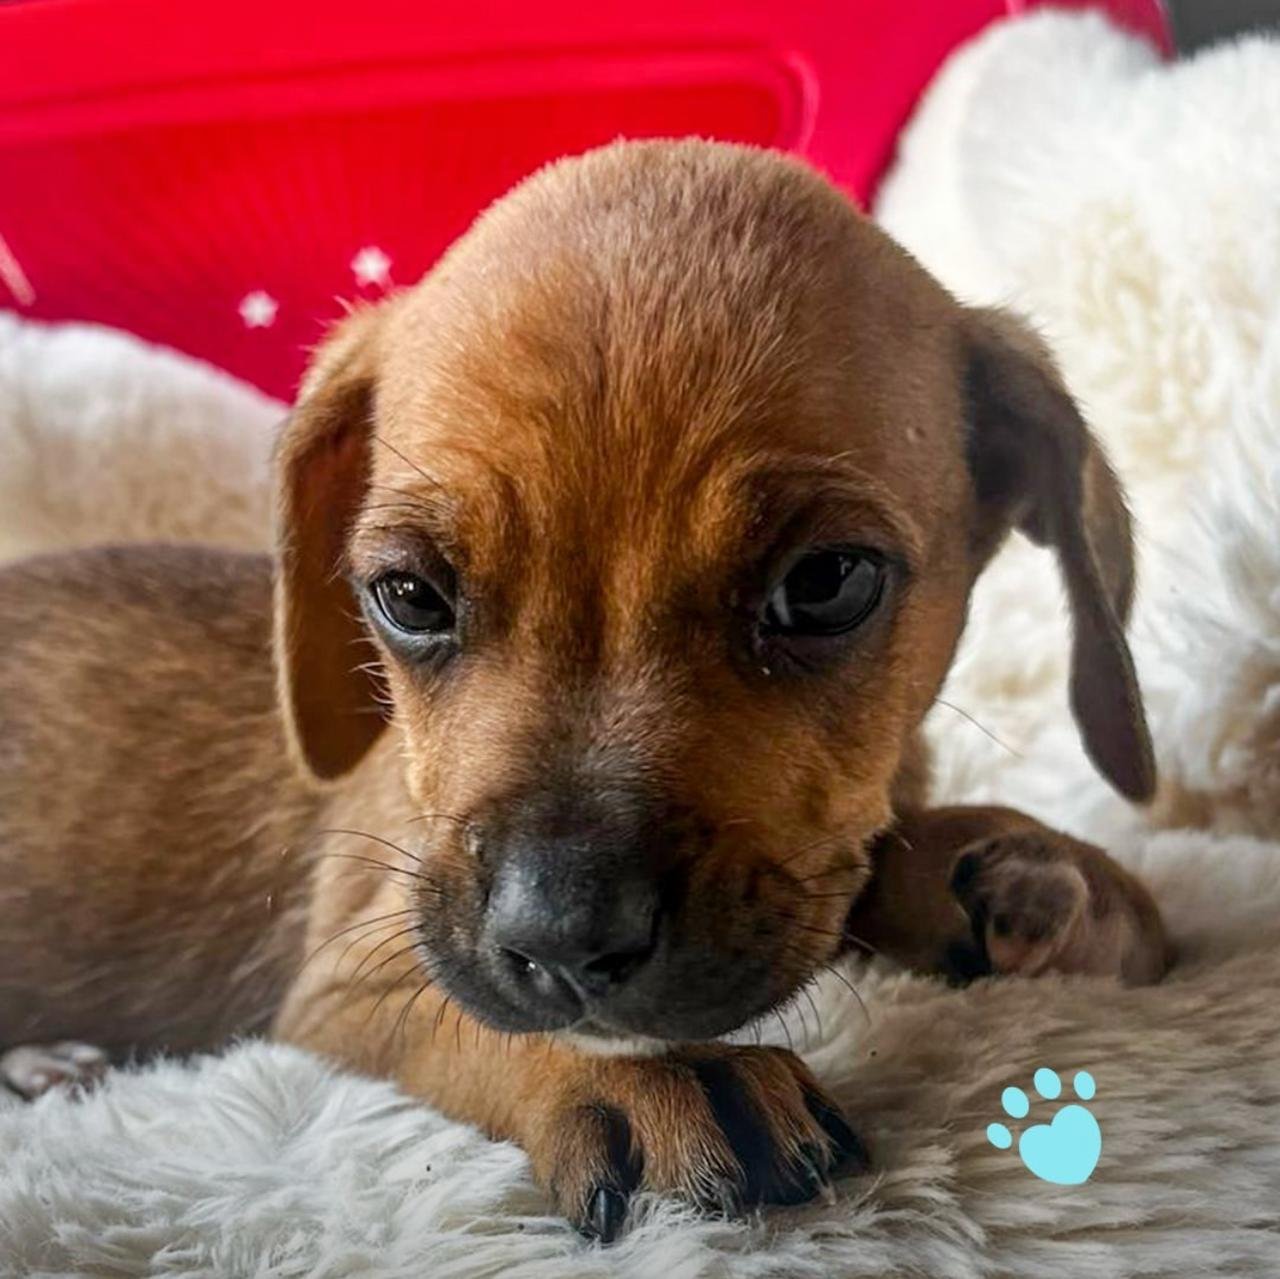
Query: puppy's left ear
329, 699
1036, 467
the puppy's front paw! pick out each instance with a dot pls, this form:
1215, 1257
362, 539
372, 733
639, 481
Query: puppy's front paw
1041, 901
33, 1069
723, 1127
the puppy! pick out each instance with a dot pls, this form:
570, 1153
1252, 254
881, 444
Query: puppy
618, 564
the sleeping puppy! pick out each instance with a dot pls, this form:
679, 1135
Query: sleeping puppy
618, 564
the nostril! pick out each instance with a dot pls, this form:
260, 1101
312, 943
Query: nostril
521, 963
616, 968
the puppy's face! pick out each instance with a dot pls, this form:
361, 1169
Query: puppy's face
661, 500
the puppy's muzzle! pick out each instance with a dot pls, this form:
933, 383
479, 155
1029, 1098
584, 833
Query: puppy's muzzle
573, 911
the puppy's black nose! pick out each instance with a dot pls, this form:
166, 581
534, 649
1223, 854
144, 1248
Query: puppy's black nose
557, 920
573, 906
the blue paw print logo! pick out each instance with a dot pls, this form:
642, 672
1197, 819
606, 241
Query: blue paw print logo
1065, 1150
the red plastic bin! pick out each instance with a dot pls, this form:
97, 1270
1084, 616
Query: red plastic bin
215, 177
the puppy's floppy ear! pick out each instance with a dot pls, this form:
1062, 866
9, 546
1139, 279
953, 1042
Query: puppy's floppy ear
330, 702
1036, 467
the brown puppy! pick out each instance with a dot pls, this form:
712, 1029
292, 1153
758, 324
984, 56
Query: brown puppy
619, 562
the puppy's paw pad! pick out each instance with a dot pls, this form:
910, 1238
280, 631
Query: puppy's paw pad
1023, 894
33, 1069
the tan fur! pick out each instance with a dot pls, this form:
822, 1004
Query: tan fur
150, 826
603, 411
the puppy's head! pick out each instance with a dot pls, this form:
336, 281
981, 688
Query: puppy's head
661, 499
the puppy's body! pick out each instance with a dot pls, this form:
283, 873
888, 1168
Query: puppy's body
657, 507
152, 828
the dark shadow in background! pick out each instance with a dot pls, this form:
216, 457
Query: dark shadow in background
1197, 23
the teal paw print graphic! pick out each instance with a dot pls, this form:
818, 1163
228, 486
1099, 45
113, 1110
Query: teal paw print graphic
1065, 1150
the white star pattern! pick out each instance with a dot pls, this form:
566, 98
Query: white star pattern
258, 310
371, 266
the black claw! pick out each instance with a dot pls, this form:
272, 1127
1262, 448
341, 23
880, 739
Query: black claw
849, 1154
605, 1215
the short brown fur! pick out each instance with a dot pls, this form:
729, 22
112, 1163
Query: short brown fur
640, 378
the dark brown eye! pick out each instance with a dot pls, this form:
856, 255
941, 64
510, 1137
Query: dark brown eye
413, 605
826, 593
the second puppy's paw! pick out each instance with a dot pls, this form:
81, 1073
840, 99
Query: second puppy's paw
1040, 901
1024, 897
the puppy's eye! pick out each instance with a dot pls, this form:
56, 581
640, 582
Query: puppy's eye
826, 593
411, 604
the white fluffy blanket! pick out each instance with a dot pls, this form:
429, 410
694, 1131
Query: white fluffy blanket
1134, 210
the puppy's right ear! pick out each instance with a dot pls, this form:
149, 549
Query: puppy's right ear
330, 700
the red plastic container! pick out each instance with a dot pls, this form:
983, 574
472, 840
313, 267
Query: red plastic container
215, 177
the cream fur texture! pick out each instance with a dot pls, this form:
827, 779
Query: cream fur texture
1134, 211
105, 439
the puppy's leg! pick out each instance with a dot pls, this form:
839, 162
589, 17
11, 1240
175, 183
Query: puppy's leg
33, 1069
970, 891
722, 1127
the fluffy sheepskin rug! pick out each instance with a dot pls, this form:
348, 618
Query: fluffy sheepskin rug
1134, 211
104, 439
